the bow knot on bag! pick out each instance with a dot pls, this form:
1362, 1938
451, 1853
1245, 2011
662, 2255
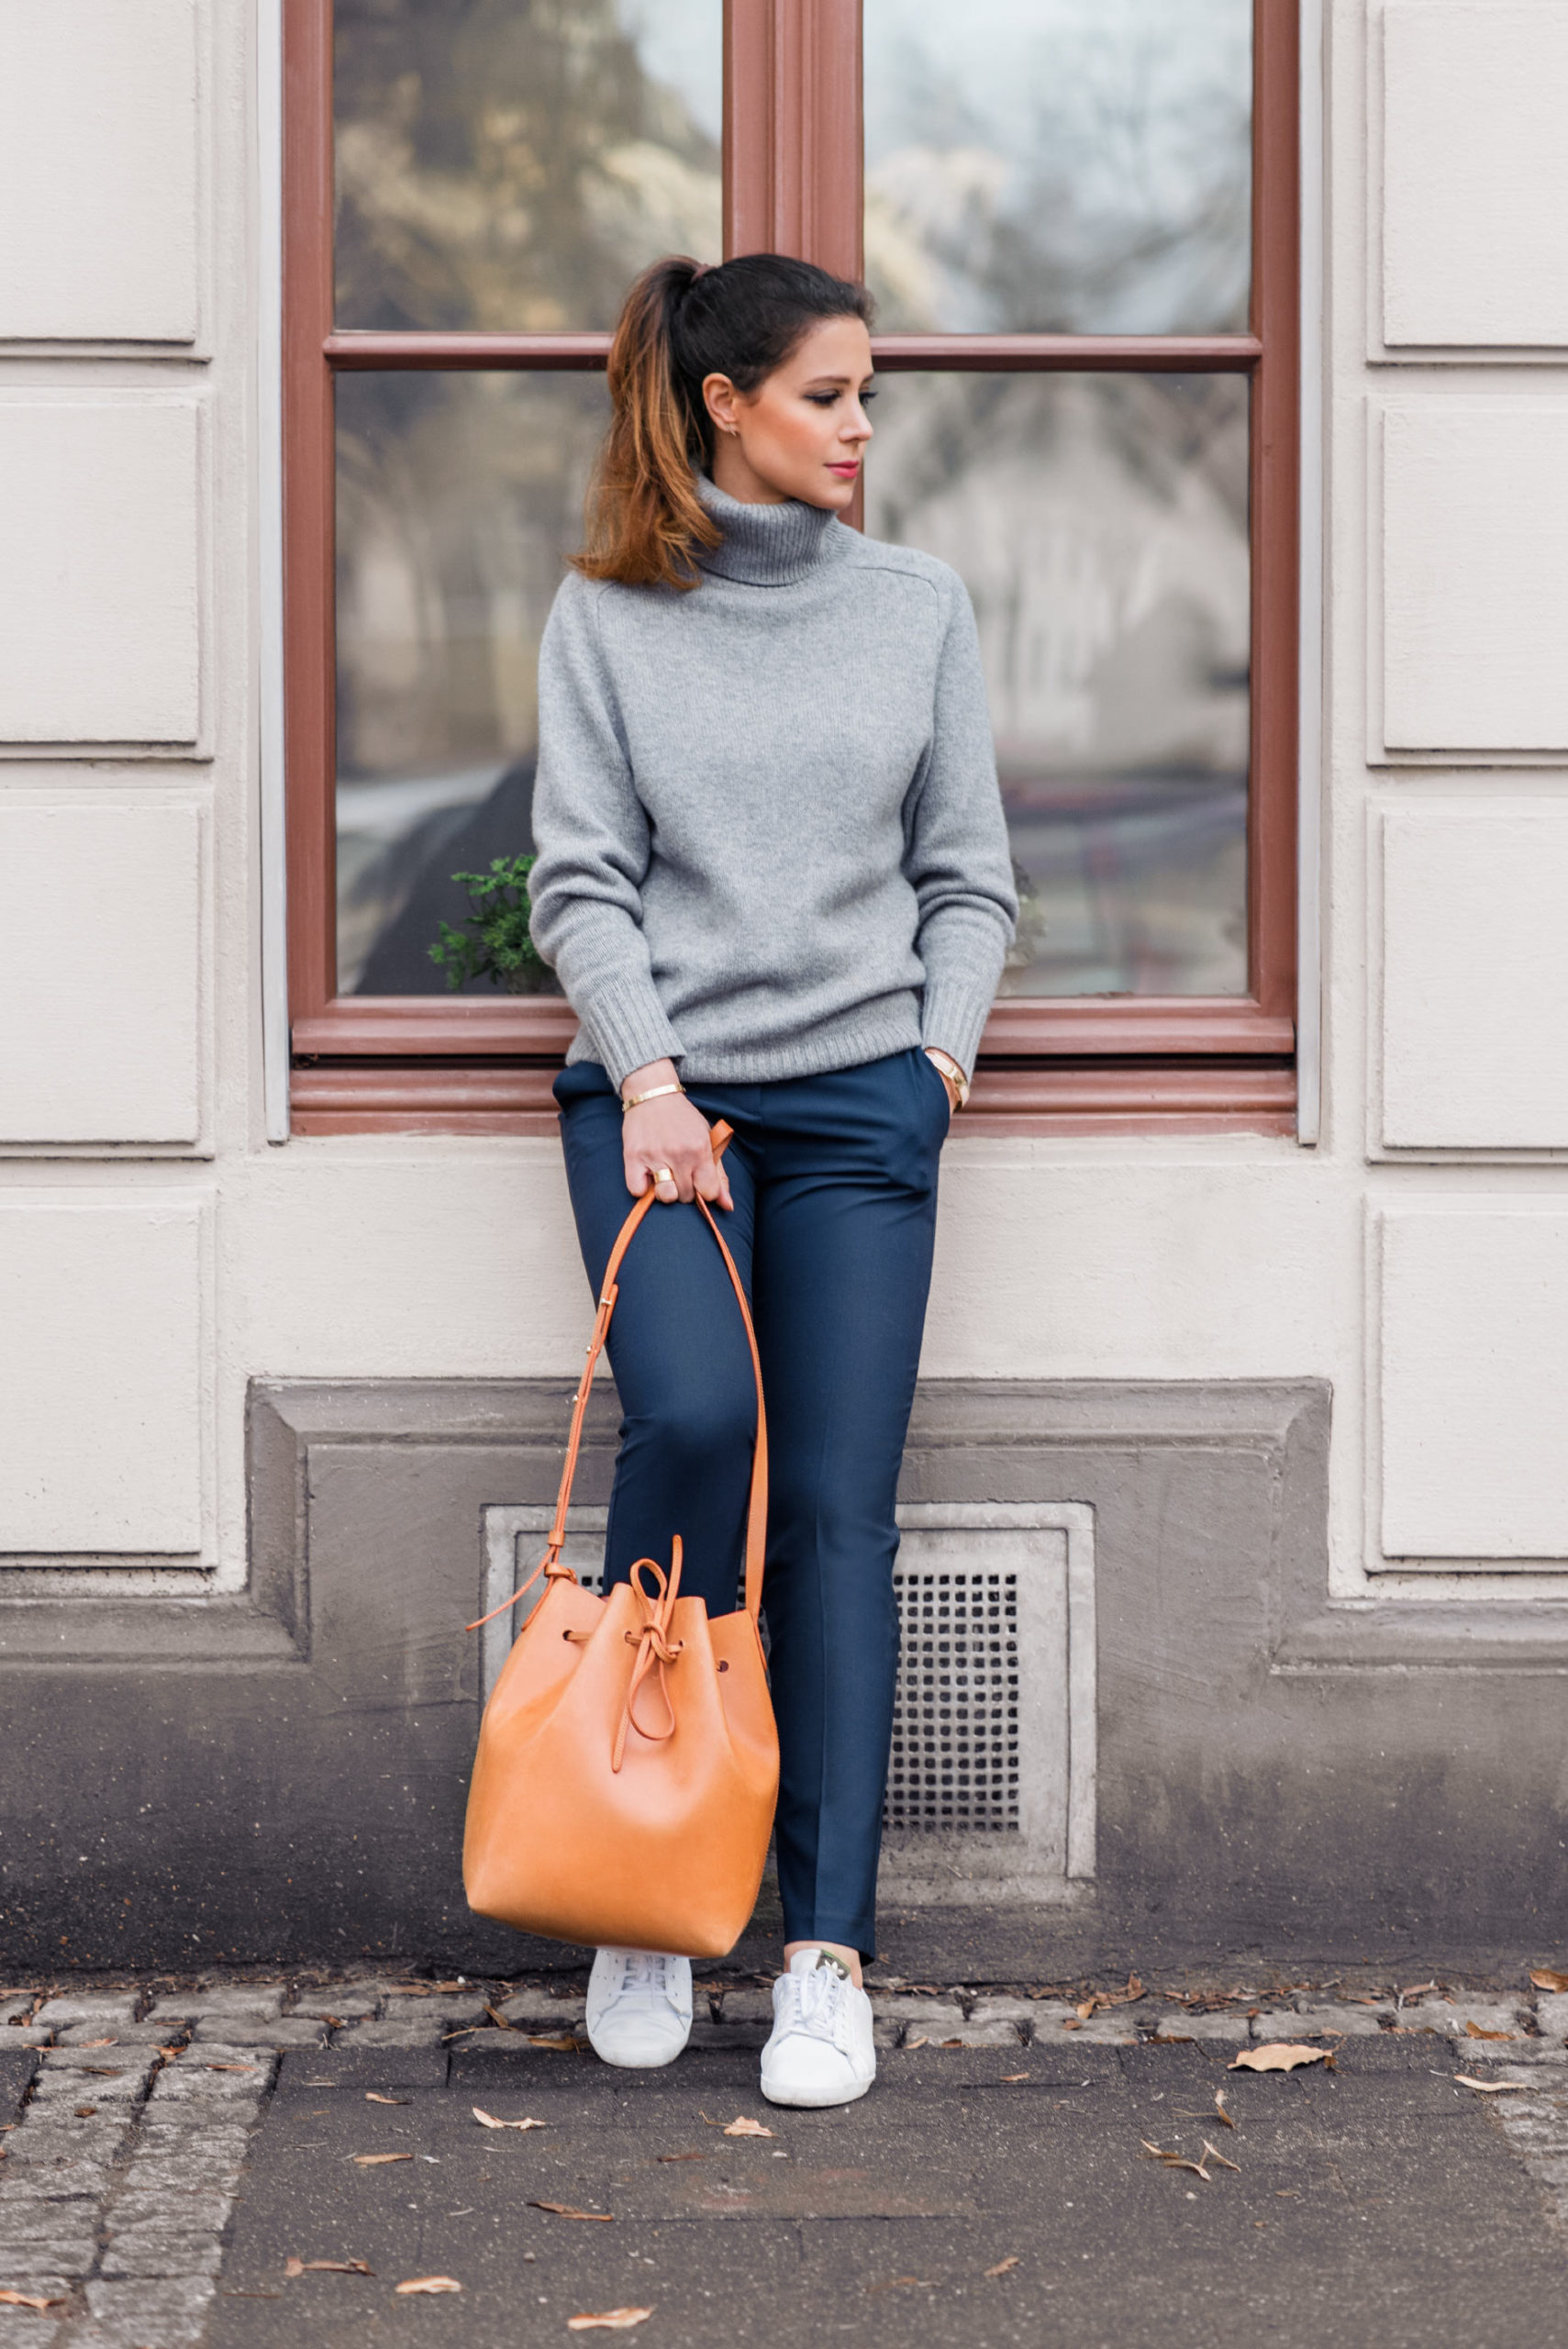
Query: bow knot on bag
654, 1647
588, 1820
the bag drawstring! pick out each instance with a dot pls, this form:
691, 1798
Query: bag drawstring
655, 1650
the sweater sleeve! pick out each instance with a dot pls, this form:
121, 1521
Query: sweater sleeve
593, 840
957, 858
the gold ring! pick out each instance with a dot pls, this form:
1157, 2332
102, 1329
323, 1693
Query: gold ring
663, 1174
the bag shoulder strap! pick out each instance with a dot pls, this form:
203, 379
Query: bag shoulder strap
757, 1507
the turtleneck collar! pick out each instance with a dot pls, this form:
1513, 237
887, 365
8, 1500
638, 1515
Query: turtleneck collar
764, 546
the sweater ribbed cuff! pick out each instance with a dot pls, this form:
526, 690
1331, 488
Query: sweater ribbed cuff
952, 1016
626, 1027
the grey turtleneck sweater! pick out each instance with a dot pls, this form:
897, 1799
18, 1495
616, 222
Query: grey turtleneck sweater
769, 838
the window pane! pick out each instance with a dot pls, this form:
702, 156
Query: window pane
505, 166
459, 497
1059, 166
1100, 523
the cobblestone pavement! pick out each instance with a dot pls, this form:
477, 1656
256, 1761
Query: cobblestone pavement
167, 2150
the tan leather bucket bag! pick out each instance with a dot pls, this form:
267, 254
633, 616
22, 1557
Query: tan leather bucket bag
628, 1766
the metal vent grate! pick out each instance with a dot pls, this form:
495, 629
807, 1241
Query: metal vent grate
954, 1761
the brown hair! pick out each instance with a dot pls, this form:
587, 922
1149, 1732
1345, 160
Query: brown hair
680, 324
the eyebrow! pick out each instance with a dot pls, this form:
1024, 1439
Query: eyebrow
815, 383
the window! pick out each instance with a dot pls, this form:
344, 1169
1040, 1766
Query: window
1079, 220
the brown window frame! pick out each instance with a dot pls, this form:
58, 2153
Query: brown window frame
793, 175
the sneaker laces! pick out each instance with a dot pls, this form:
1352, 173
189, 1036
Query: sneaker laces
819, 2003
644, 1973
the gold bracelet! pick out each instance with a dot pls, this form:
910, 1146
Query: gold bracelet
635, 1100
945, 1066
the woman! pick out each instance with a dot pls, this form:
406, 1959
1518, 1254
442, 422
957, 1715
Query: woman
773, 878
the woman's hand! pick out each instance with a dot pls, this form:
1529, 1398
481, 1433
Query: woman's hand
669, 1134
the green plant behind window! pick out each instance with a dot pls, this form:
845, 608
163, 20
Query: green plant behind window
494, 942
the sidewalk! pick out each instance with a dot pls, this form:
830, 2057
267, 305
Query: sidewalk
172, 2150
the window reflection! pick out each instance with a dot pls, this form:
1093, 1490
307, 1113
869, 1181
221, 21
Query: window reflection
1059, 166
508, 165
1100, 524
458, 498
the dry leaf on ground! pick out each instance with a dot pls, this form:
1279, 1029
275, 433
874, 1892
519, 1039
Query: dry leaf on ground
1213, 2153
488, 2121
431, 2284
612, 2320
1003, 2265
326, 2267
226, 2067
30, 2300
499, 2020
373, 2095
1074, 2023
565, 2210
563, 2043
374, 2161
1473, 2031
97, 2042
910, 2044
1280, 2056
742, 2127
679, 2157
1008, 2078
1547, 1977
1493, 2087
1173, 2160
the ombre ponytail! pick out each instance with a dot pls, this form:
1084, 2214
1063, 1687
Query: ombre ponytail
680, 324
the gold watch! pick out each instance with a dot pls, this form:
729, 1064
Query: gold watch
949, 1068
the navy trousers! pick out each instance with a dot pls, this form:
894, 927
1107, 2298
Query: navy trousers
834, 1179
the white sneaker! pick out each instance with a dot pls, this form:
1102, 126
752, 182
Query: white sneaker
639, 2008
822, 2050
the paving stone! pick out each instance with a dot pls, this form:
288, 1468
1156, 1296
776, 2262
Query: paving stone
1057, 2023
397, 2033
184, 2132
189, 2210
1552, 2013
171, 2312
38, 2247
71, 2088
1486, 2014
1318, 2022
15, 2006
63, 2183
133, 2035
236, 2031
151, 2175
163, 2255
998, 2007
26, 2035
452, 2007
752, 2006
338, 2006
108, 2013
928, 2018
243, 2004
1175, 2022
538, 2011
180, 2084
105, 2063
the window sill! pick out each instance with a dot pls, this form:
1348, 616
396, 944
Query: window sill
1059, 1097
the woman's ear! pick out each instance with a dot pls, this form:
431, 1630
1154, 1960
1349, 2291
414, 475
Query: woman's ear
721, 400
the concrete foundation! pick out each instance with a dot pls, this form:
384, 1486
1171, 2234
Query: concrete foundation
281, 1777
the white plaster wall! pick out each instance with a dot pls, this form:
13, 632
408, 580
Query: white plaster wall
1117, 1256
